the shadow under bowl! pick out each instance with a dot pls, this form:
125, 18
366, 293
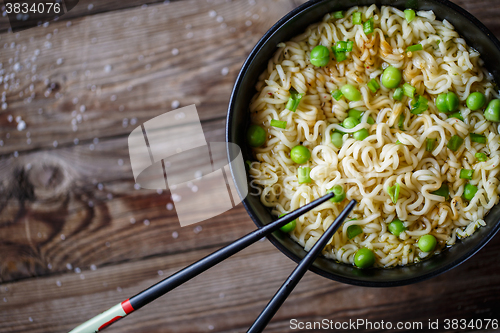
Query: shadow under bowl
238, 119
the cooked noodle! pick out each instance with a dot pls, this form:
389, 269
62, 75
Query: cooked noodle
367, 168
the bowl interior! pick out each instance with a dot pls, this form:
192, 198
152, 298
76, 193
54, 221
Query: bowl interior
295, 22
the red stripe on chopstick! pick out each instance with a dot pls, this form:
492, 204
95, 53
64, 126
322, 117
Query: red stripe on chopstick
127, 307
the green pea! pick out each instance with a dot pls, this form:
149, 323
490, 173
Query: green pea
300, 154
453, 101
337, 139
427, 243
475, 101
391, 78
396, 227
256, 136
290, 226
361, 134
364, 258
320, 56
350, 122
447, 102
351, 92
441, 103
469, 192
492, 112
339, 193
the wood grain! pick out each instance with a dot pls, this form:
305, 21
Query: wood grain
64, 211
228, 297
90, 7
68, 247
124, 65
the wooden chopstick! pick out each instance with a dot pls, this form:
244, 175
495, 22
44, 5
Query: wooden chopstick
275, 303
136, 302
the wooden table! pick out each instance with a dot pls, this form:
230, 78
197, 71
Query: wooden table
76, 237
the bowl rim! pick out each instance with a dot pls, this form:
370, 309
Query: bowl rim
229, 124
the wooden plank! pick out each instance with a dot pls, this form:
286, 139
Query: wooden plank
90, 7
228, 297
143, 61
57, 209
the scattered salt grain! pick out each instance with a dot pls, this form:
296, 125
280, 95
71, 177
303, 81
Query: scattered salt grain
175, 52
225, 71
69, 266
58, 283
91, 203
30, 319
197, 229
118, 289
175, 104
137, 186
211, 327
160, 272
55, 144
78, 270
120, 162
108, 68
248, 23
93, 267
132, 220
82, 276
63, 237
21, 125
100, 186
90, 6
170, 206
83, 108
175, 235
146, 222
212, 13
59, 61
75, 141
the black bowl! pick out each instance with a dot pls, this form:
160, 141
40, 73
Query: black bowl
294, 23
